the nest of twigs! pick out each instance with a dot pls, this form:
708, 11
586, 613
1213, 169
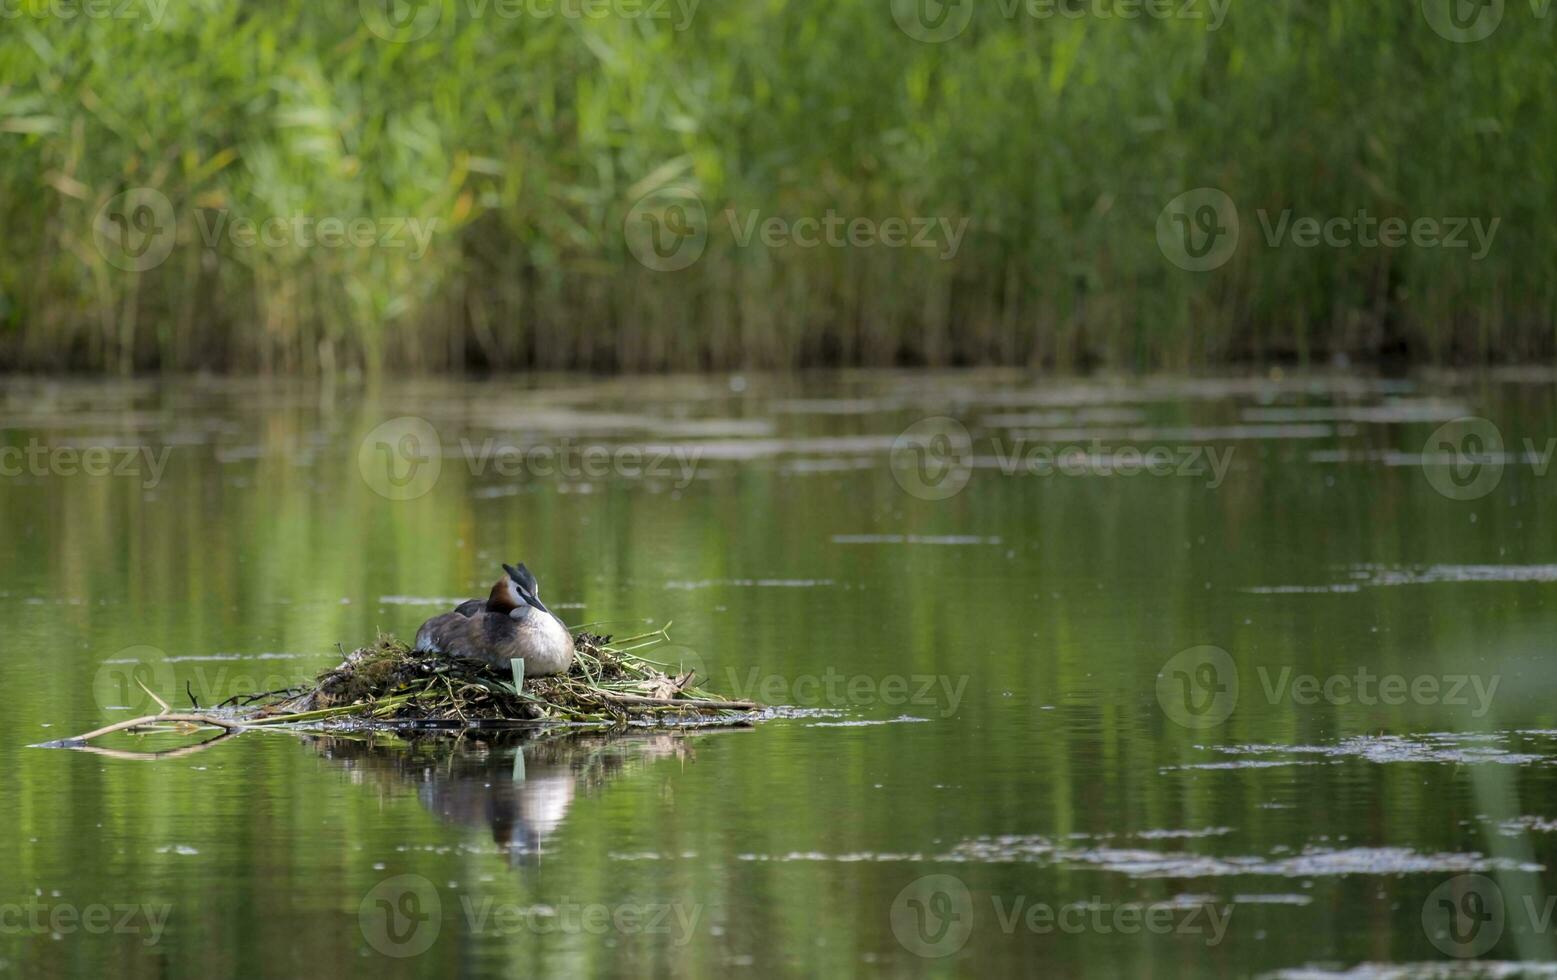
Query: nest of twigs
389, 681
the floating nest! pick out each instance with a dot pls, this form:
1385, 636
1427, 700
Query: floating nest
389, 684
606, 684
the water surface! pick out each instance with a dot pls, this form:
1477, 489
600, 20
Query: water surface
1010, 743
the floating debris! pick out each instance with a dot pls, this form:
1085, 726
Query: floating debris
1468, 970
1458, 748
1311, 862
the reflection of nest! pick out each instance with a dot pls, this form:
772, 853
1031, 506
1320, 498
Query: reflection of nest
428, 757
520, 788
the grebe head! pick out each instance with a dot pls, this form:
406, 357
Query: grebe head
524, 577
529, 588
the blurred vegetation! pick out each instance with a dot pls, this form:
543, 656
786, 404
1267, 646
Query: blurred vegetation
527, 140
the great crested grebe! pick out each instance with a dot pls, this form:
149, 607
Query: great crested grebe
511, 622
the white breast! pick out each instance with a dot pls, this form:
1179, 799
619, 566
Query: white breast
547, 647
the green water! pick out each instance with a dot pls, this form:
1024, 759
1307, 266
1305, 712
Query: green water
987, 687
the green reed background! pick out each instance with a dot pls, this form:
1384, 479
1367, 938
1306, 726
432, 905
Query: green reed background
528, 139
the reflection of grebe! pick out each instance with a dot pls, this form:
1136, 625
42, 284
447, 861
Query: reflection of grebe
519, 786
523, 808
